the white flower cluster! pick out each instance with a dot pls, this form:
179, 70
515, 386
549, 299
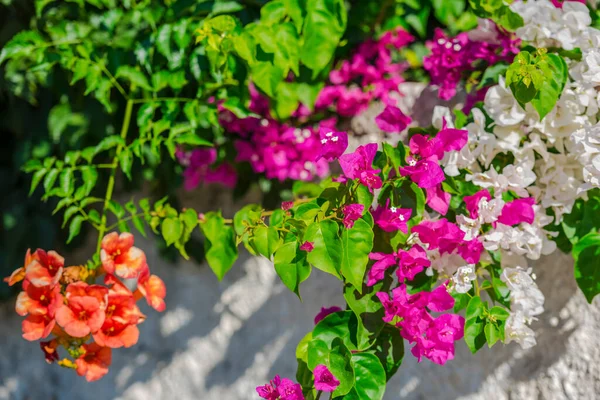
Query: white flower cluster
526, 301
555, 159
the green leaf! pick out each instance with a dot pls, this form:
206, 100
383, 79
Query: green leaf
302, 348
295, 11
389, 348
67, 182
341, 324
586, 253
69, 212
370, 378
50, 179
220, 247
171, 230
90, 177
316, 353
35, 180
323, 29
74, 228
341, 366
492, 334
552, 86
192, 139
272, 12
108, 143
126, 162
134, 76
265, 240
291, 266
357, 243
266, 76
474, 325
327, 252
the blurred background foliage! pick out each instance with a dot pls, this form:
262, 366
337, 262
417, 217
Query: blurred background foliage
65, 66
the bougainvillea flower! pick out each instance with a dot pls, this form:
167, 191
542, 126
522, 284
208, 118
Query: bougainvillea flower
280, 389
153, 289
333, 143
352, 212
392, 120
391, 219
324, 379
517, 211
289, 390
377, 271
84, 312
287, 205
119, 257
36, 327
448, 328
437, 199
307, 246
411, 262
325, 311
35, 300
45, 268
122, 316
470, 250
269, 391
451, 139
472, 202
439, 299
49, 349
439, 233
359, 165
425, 173
94, 363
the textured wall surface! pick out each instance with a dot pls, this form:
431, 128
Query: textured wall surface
219, 340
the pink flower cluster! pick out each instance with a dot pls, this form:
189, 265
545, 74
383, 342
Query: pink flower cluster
408, 262
279, 150
451, 57
513, 212
448, 238
423, 163
199, 168
433, 337
373, 69
280, 389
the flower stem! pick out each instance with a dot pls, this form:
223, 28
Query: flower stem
319, 393
111, 180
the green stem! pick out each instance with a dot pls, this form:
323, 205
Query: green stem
319, 393
111, 180
112, 79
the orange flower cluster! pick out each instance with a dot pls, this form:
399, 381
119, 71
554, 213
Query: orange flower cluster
86, 319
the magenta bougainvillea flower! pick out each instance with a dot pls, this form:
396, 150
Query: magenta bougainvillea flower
433, 338
280, 389
472, 202
383, 261
307, 246
359, 165
325, 311
437, 199
392, 219
352, 212
324, 379
200, 168
517, 211
412, 261
333, 143
392, 120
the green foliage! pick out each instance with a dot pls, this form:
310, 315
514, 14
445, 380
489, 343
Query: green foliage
220, 247
538, 78
498, 11
587, 269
